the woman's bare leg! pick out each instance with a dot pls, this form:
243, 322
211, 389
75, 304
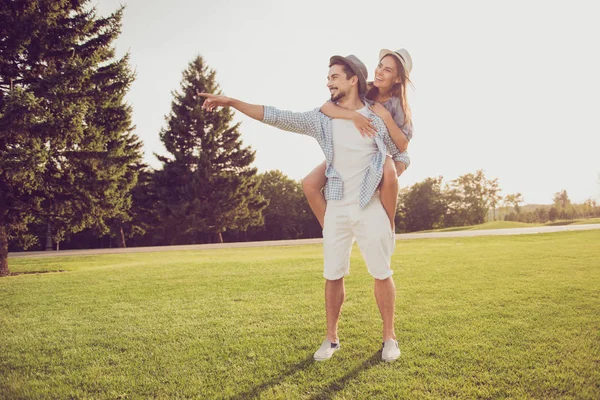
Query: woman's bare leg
389, 189
312, 185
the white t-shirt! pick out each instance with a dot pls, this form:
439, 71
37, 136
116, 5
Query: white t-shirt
352, 154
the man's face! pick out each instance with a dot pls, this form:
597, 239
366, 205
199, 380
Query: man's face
338, 83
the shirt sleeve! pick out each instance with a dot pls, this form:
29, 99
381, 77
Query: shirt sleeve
389, 143
305, 123
403, 158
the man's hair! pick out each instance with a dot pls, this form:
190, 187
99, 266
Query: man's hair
347, 70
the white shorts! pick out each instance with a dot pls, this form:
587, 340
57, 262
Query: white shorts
373, 233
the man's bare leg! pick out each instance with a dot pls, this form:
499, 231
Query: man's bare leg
385, 294
334, 298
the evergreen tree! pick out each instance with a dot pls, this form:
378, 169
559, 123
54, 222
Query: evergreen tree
207, 186
68, 156
141, 228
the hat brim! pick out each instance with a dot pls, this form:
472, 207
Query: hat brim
387, 52
362, 82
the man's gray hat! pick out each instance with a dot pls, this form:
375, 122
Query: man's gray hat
358, 67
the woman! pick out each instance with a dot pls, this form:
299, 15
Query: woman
387, 95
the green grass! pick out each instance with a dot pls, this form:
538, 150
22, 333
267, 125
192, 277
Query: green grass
586, 221
515, 224
487, 317
486, 225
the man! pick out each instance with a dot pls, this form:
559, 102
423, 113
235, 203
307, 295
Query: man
353, 205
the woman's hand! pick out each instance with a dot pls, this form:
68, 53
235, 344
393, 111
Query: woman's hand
380, 110
364, 125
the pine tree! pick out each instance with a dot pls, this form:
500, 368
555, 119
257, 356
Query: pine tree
143, 225
207, 186
68, 155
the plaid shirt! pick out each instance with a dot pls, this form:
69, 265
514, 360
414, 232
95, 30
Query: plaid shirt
317, 125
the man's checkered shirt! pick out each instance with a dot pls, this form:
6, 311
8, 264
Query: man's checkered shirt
317, 125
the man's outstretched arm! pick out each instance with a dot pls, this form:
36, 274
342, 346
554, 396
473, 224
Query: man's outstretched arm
252, 110
306, 123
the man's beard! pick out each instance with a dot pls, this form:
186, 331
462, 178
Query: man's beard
337, 97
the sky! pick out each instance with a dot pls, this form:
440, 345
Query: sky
511, 88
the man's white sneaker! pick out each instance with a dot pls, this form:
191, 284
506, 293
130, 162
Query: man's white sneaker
390, 351
326, 350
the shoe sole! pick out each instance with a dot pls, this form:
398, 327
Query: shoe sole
391, 359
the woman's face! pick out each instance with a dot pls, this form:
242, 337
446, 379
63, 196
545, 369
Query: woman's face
386, 73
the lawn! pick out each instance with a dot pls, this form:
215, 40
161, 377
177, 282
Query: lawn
576, 222
485, 317
516, 224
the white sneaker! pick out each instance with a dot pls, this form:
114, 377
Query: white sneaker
390, 351
326, 350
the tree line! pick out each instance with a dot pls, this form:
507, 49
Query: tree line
473, 199
561, 209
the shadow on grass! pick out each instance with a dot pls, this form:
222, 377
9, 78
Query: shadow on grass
325, 393
560, 223
452, 229
340, 383
255, 392
456, 229
35, 272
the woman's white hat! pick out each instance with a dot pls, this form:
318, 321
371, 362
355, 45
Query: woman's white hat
401, 55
